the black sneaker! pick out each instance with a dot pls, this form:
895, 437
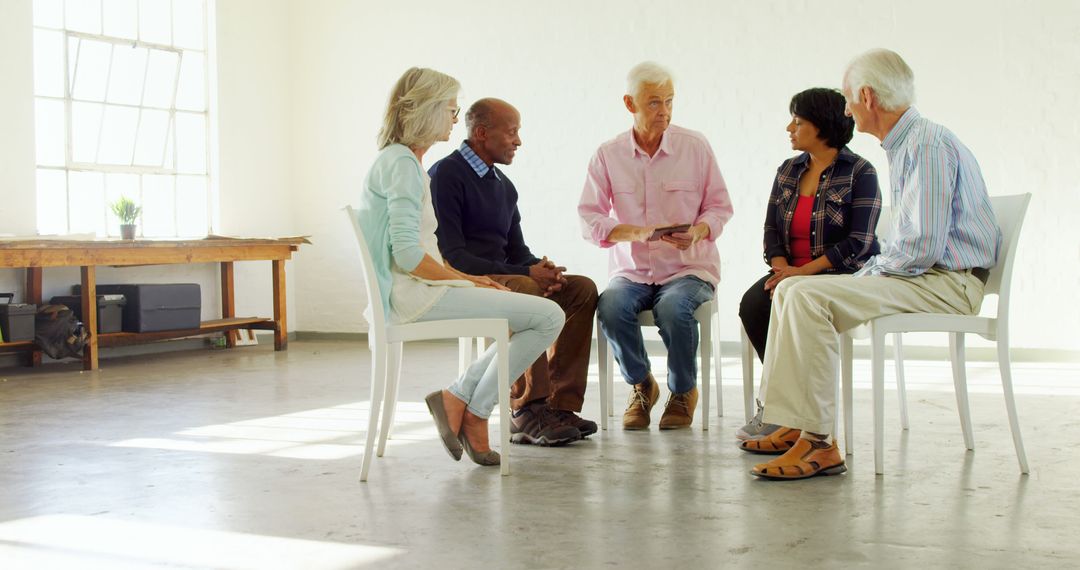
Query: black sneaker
586, 427
536, 424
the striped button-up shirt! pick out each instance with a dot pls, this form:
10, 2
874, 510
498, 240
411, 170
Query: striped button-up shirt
942, 215
478, 165
846, 210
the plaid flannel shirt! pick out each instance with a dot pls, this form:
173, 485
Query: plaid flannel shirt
846, 209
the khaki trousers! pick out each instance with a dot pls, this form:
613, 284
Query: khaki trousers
808, 313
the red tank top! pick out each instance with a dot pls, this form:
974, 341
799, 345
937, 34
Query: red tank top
799, 235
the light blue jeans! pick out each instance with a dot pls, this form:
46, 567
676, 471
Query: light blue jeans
535, 323
673, 305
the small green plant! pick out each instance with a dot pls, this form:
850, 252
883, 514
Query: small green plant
126, 210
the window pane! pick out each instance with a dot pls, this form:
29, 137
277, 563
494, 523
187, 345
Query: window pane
85, 127
49, 13
91, 70
121, 18
188, 23
191, 206
150, 144
191, 91
49, 132
48, 63
86, 202
117, 186
191, 143
158, 205
170, 144
161, 79
118, 135
51, 201
155, 24
126, 75
84, 16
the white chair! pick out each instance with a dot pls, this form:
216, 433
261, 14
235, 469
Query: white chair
1009, 211
709, 346
386, 348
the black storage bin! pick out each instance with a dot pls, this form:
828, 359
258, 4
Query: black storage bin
16, 319
151, 307
110, 310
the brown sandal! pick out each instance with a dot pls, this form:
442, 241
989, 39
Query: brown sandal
775, 443
802, 461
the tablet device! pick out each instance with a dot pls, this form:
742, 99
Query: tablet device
661, 232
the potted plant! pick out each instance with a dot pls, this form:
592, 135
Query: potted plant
128, 212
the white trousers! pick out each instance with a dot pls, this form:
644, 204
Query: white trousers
802, 351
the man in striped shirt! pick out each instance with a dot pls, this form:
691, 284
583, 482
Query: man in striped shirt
943, 240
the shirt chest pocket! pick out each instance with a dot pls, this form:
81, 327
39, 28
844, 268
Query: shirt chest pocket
681, 200
836, 205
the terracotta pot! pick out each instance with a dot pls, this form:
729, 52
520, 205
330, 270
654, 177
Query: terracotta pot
127, 231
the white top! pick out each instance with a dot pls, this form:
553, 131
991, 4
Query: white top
411, 296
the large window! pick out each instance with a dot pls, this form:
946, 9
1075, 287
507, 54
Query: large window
121, 99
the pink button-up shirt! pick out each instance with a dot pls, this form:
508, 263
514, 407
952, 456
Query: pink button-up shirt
680, 184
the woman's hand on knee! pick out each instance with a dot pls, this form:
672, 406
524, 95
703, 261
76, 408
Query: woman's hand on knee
486, 283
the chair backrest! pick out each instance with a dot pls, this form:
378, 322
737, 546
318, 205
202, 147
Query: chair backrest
371, 280
1009, 211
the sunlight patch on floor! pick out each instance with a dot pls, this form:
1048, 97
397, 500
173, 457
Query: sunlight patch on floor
73, 541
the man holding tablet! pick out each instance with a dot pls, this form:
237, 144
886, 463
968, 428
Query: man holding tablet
654, 196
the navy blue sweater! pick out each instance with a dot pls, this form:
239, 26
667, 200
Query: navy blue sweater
479, 225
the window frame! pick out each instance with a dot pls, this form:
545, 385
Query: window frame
68, 99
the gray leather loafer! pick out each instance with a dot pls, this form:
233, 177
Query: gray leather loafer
442, 422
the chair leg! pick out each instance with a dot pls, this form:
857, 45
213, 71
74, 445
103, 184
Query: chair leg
747, 355
465, 355
901, 386
878, 378
706, 357
717, 365
602, 364
959, 371
378, 383
393, 379
1005, 368
502, 343
846, 357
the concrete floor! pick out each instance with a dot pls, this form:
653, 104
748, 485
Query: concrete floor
249, 459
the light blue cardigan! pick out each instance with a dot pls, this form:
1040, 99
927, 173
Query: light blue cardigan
389, 214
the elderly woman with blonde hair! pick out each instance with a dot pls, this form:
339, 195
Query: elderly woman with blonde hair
399, 223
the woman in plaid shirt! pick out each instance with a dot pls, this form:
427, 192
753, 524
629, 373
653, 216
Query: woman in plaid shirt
821, 218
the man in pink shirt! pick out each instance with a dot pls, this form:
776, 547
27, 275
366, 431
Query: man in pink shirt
639, 184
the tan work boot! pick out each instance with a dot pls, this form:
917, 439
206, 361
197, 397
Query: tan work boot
679, 410
642, 399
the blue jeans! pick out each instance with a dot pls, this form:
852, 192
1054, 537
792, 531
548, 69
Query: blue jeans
673, 305
534, 323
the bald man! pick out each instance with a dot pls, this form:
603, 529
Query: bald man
480, 233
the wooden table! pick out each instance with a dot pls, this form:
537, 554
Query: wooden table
34, 255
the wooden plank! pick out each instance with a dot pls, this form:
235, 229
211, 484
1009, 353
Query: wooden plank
89, 316
228, 300
127, 338
281, 338
67, 257
206, 327
33, 295
18, 346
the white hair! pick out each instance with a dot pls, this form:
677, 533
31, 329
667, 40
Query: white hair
885, 72
646, 73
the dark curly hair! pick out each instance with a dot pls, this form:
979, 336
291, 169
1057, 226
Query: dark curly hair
824, 108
